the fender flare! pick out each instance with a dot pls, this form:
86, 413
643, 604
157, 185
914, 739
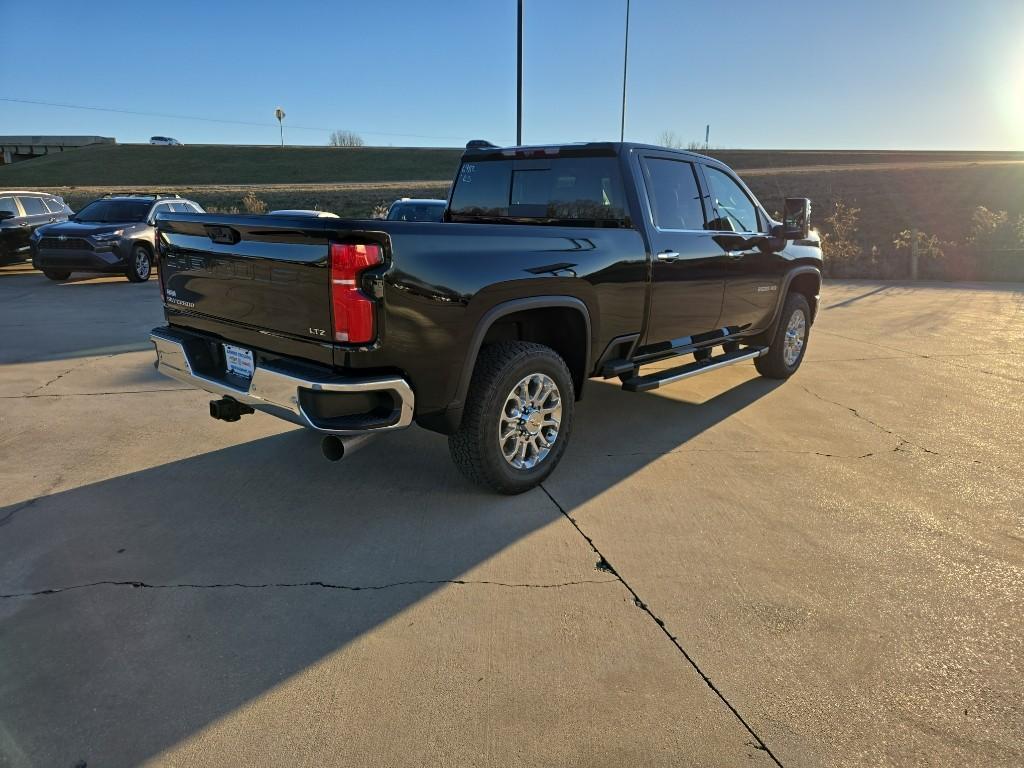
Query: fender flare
494, 314
786, 282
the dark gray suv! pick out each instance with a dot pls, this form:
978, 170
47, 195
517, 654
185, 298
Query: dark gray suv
114, 234
21, 214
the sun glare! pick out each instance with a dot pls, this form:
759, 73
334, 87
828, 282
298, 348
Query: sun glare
1009, 95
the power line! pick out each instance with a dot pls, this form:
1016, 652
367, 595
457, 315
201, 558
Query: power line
213, 119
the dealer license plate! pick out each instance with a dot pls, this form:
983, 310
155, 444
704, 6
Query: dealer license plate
239, 361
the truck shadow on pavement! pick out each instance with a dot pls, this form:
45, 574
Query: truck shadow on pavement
163, 600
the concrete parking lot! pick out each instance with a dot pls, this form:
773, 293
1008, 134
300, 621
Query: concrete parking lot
730, 571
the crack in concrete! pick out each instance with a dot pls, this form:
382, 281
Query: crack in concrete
61, 375
96, 394
744, 450
902, 441
10, 515
31, 502
935, 358
605, 566
305, 584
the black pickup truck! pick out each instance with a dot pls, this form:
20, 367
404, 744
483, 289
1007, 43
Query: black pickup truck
552, 265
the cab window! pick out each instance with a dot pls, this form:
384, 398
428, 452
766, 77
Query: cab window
675, 196
732, 210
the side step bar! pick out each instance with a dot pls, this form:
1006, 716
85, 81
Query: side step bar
655, 380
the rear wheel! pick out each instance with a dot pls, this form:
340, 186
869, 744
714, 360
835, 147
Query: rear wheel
518, 417
56, 274
790, 343
140, 264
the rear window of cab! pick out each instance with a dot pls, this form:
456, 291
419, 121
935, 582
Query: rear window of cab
582, 191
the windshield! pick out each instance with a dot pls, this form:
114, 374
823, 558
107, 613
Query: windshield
416, 212
582, 191
114, 211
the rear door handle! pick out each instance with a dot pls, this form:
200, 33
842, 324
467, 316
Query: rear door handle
735, 254
668, 256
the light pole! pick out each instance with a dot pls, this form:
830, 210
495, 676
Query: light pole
519, 77
279, 114
625, 63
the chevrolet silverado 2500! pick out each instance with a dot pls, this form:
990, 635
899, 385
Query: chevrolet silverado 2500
552, 265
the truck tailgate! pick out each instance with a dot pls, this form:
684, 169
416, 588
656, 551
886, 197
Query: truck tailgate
267, 273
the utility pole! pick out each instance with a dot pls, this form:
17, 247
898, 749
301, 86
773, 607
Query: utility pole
707, 136
625, 65
913, 253
279, 114
519, 77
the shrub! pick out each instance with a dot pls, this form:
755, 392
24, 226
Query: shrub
380, 209
839, 244
929, 247
994, 231
253, 204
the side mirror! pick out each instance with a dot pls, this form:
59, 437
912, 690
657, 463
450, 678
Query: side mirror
4, 215
796, 218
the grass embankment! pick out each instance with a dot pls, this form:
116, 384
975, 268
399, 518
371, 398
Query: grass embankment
935, 192
134, 165
143, 165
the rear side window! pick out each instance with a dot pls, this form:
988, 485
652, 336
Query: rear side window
675, 195
8, 204
33, 205
55, 206
585, 191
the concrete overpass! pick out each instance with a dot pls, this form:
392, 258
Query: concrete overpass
15, 148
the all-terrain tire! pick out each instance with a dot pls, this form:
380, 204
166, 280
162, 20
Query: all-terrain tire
476, 447
783, 357
140, 263
56, 274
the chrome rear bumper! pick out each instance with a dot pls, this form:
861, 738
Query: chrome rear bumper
277, 392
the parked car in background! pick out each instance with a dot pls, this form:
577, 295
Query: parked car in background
22, 214
164, 141
304, 212
114, 234
411, 209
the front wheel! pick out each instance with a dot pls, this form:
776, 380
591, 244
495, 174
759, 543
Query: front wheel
790, 343
140, 264
517, 419
56, 274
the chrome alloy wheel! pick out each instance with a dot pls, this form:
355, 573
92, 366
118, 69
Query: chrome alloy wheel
141, 262
796, 334
530, 418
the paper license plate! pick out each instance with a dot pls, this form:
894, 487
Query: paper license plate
239, 361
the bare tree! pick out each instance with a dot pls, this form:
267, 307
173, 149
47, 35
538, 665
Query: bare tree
670, 140
345, 139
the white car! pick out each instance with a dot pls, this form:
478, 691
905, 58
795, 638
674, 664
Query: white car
304, 212
164, 141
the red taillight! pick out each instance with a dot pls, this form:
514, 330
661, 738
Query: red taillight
353, 310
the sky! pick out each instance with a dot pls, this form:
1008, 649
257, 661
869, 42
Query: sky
778, 74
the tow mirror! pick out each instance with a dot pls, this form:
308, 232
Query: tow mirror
796, 218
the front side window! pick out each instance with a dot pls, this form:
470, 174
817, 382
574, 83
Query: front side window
675, 196
732, 210
574, 190
8, 204
33, 205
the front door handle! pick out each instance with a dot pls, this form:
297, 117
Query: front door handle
735, 254
668, 256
